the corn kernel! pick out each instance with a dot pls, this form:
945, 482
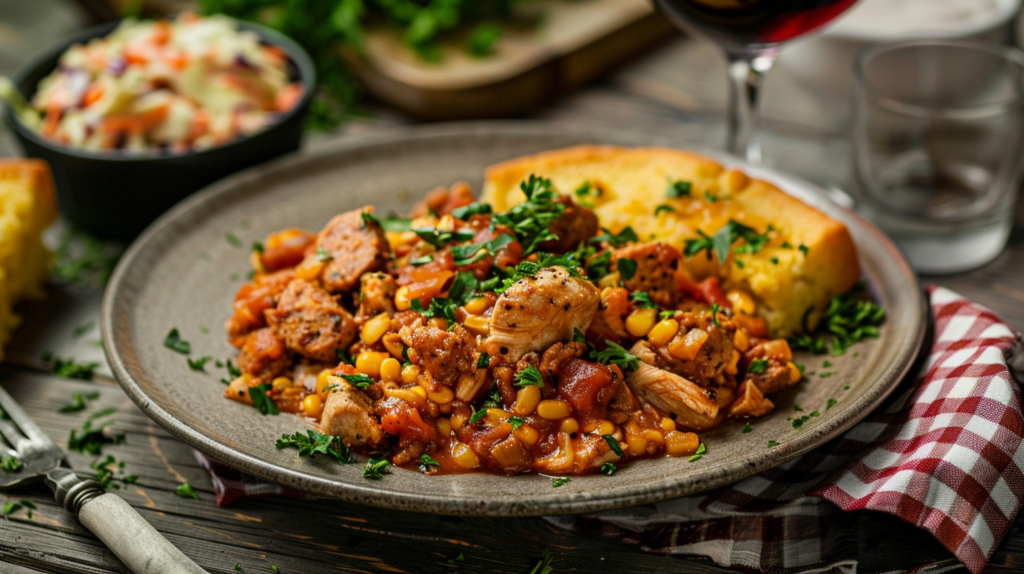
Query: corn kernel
527, 399
446, 223
457, 421
312, 406
570, 425
391, 370
442, 396
740, 341
741, 302
553, 409
407, 395
605, 427
663, 332
527, 434
281, 383
444, 426
323, 381
635, 438
655, 437
410, 373
374, 328
641, 321
477, 324
794, 372
420, 391
681, 443
464, 456
369, 363
476, 305
394, 346
668, 424
438, 323
609, 280
402, 299
309, 269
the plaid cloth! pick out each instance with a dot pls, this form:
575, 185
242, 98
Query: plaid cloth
944, 454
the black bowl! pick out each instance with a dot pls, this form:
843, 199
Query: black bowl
116, 195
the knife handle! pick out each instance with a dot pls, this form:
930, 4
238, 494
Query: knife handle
142, 549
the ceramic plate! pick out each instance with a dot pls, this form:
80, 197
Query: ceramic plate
182, 273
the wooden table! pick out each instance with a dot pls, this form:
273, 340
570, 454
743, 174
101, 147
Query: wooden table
674, 94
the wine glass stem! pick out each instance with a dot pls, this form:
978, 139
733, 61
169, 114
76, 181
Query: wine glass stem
746, 76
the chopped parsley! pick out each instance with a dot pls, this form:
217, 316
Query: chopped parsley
619, 239
772, 444
418, 261
531, 220
90, 439
313, 443
758, 366
831, 403
477, 415
257, 247
774, 260
663, 208
78, 401
322, 255
714, 314
613, 444
11, 507
676, 189
826, 364
528, 269
710, 197
826, 375
264, 404
699, 454
599, 266
483, 361
797, 408
376, 466
473, 252
847, 319
804, 249
439, 238
643, 300
609, 468
614, 354
544, 566
457, 559
721, 242
467, 211
556, 482
357, 380
232, 239
426, 462
516, 422
11, 465
666, 314
626, 267
747, 428
174, 342
185, 490
199, 364
343, 356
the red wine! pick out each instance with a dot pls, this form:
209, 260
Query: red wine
743, 23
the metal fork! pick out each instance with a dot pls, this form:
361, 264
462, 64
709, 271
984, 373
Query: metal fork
142, 549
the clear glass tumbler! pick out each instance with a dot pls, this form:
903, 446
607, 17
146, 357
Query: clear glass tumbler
936, 134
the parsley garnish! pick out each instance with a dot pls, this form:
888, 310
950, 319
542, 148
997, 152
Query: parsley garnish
772, 444
714, 315
529, 376
257, 247
721, 242
426, 461
322, 255
599, 266
11, 507
461, 291
477, 415
585, 190
313, 443
613, 444
699, 454
556, 482
92, 438
264, 404
831, 403
804, 249
623, 237
232, 239
376, 467
418, 261
544, 566
626, 267
344, 356
11, 464
458, 558
174, 342
483, 361
357, 380
467, 211
532, 219
747, 428
439, 238
78, 402
608, 468
847, 320
614, 354
643, 300
677, 189
473, 252
185, 490
758, 366
666, 314
663, 208
199, 364
528, 269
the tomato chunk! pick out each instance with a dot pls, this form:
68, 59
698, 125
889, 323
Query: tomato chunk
588, 387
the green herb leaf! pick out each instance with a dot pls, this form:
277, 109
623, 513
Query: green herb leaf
232, 239
11, 465
614, 354
483, 40
529, 376
376, 467
11, 507
626, 267
721, 242
531, 220
77, 404
473, 252
477, 415
608, 468
627, 235
174, 342
699, 454
467, 211
418, 261
556, 482
613, 444
544, 566
264, 404
322, 255
678, 189
439, 238
772, 444
483, 361
357, 380
199, 364
185, 490
758, 366
747, 428
313, 443
516, 422
426, 462
714, 315
663, 208
642, 300
831, 403
599, 266
457, 559
257, 247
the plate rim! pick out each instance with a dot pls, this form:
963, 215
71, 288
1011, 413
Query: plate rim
497, 505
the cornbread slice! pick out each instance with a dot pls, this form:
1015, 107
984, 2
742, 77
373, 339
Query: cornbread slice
809, 256
27, 207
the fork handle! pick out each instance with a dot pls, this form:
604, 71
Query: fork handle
125, 532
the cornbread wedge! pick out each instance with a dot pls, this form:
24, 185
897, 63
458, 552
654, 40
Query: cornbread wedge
808, 258
27, 207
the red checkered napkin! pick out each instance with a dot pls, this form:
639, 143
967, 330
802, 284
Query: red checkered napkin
943, 454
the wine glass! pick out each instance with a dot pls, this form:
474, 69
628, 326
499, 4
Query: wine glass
751, 32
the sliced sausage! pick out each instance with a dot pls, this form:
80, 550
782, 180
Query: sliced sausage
311, 322
352, 246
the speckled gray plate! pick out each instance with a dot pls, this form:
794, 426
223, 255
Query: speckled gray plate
183, 273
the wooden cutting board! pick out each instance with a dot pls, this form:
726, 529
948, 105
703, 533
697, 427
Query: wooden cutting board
575, 42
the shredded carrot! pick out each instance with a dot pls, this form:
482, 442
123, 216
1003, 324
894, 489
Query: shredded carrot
288, 97
53, 115
93, 93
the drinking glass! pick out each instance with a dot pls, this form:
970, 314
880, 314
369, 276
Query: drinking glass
936, 138
751, 32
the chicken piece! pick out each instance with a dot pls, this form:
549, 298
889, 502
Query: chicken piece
694, 408
349, 414
376, 295
774, 378
534, 313
444, 354
354, 246
264, 355
311, 322
656, 265
469, 387
701, 350
576, 224
750, 402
